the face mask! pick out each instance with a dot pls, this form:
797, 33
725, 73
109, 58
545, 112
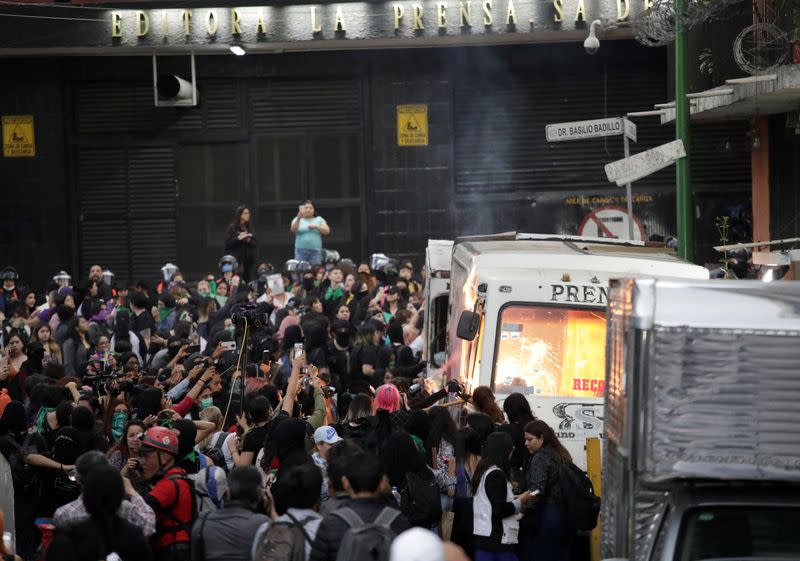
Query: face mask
343, 339
207, 402
118, 421
405, 293
308, 284
231, 329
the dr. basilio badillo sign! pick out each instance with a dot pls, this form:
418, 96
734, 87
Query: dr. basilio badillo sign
361, 20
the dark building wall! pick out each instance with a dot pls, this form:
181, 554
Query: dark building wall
35, 209
784, 178
153, 184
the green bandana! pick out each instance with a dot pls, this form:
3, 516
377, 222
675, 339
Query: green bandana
332, 294
163, 313
41, 417
418, 441
118, 424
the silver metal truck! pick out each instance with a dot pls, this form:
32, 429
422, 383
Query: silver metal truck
702, 436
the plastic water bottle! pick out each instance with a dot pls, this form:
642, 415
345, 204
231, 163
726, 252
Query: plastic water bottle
396, 494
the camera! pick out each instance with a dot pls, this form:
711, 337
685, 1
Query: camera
454, 387
592, 43
250, 314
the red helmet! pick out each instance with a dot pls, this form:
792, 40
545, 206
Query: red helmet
161, 438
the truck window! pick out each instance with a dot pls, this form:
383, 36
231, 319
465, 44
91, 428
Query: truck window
550, 351
740, 532
439, 327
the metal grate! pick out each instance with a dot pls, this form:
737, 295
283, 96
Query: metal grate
128, 209
294, 104
220, 98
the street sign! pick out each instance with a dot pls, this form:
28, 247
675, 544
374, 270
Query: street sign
579, 130
630, 130
610, 222
645, 163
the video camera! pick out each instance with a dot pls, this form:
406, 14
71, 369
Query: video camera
251, 314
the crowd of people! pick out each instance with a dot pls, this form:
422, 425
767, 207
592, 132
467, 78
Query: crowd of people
258, 414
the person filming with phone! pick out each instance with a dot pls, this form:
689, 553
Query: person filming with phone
308, 230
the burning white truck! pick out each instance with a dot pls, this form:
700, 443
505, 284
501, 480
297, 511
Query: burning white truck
528, 314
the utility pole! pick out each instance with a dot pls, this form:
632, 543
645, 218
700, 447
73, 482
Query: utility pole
683, 171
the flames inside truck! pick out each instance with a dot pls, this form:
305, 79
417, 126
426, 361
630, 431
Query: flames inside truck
550, 351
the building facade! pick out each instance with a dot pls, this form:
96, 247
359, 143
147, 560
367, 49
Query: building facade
314, 110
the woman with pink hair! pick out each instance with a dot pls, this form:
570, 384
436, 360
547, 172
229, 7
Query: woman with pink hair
387, 397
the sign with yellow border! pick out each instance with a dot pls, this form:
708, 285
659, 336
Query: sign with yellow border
412, 125
18, 140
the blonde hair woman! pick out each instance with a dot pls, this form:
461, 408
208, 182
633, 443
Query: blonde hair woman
226, 442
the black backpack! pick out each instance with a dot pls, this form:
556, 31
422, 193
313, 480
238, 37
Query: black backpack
284, 541
215, 452
420, 501
185, 526
366, 541
581, 504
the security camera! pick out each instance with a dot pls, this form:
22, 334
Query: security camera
592, 43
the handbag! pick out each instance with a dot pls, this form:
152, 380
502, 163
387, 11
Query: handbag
446, 524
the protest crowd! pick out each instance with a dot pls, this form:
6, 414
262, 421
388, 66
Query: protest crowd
259, 413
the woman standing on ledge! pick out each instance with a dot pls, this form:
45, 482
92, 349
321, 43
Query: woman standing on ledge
241, 243
308, 231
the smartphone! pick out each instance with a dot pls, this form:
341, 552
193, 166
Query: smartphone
191, 349
229, 345
535, 492
298, 350
266, 357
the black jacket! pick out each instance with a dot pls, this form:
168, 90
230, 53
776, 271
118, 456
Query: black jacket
332, 529
81, 541
243, 250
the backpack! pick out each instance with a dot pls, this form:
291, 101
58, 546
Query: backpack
366, 541
212, 499
284, 541
215, 452
420, 501
578, 498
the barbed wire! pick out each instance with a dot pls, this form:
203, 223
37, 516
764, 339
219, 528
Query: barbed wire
655, 26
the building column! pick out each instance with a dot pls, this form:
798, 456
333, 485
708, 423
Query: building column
760, 178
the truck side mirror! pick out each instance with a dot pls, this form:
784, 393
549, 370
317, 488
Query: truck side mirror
468, 325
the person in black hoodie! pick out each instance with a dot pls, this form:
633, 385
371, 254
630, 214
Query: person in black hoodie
83, 421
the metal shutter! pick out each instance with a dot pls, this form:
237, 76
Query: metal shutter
500, 144
297, 104
128, 207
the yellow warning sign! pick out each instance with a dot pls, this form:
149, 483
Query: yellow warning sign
18, 138
412, 125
